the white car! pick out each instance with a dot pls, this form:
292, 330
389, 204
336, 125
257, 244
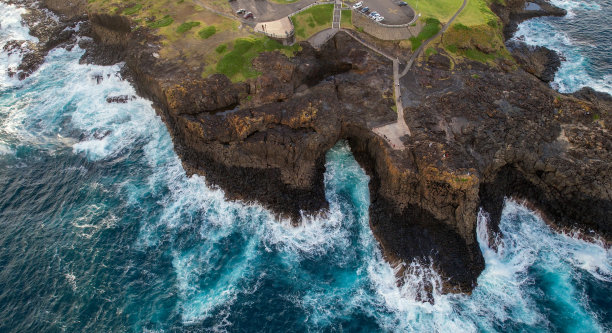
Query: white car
379, 18
358, 5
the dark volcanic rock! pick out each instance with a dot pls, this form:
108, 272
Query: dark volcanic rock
478, 134
537, 60
513, 12
50, 29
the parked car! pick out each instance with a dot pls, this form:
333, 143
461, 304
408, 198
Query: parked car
379, 18
365, 9
248, 15
358, 5
402, 3
240, 11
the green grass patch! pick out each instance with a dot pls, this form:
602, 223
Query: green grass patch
478, 55
430, 51
183, 28
442, 10
237, 63
132, 10
207, 32
221, 48
595, 117
164, 22
312, 20
431, 28
459, 26
346, 19
475, 76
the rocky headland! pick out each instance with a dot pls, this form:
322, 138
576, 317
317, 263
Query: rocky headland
479, 133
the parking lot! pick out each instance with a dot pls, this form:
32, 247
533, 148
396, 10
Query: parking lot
265, 11
393, 14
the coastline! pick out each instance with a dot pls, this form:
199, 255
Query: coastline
311, 199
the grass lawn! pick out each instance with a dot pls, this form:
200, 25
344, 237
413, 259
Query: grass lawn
476, 12
345, 19
431, 28
442, 10
312, 20
235, 60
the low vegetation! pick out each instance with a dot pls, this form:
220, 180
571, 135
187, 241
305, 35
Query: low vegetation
476, 33
236, 62
312, 20
431, 28
205, 33
183, 28
346, 19
163, 22
132, 10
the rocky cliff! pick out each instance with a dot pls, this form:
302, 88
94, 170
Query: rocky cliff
478, 134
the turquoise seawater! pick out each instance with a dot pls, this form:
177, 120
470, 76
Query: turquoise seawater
102, 231
583, 38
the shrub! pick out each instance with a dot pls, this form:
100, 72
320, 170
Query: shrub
187, 26
221, 48
460, 26
164, 22
132, 10
207, 32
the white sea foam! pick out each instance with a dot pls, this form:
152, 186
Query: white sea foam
212, 271
572, 74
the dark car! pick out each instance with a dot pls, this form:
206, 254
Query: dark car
240, 11
402, 3
248, 15
365, 9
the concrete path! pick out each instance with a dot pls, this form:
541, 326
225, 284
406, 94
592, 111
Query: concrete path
337, 14
392, 132
415, 55
317, 40
279, 28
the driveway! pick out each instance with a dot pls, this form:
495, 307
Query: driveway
265, 11
392, 13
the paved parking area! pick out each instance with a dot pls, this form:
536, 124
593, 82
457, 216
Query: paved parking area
392, 13
265, 11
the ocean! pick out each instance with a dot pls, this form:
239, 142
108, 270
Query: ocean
583, 38
102, 231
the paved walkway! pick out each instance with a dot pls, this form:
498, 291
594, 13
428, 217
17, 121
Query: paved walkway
337, 14
393, 132
279, 28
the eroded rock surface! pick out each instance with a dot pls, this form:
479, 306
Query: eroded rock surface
478, 134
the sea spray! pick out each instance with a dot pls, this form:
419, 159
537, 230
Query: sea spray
104, 231
581, 38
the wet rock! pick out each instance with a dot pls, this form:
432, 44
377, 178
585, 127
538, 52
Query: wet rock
537, 60
122, 99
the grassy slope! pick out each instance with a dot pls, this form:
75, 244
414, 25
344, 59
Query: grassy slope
312, 20
475, 33
189, 38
